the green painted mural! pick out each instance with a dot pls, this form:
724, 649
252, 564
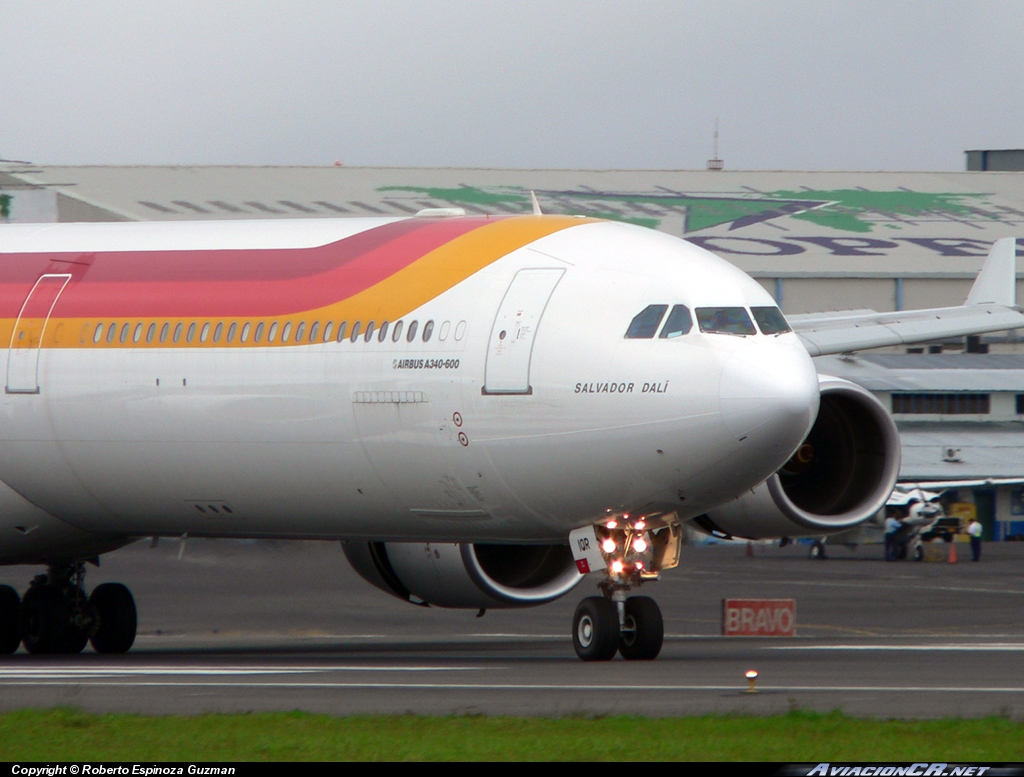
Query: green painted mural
843, 210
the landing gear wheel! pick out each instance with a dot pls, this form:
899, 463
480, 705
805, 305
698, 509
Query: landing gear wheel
114, 610
44, 614
643, 630
10, 613
595, 629
818, 551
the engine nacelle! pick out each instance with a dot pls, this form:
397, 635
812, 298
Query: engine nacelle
464, 574
841, 476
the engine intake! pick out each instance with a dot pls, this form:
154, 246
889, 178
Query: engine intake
840, 476
464, 574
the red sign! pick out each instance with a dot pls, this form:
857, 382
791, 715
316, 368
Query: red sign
759, 617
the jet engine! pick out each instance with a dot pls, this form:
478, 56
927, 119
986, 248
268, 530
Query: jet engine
840, 476
466, 575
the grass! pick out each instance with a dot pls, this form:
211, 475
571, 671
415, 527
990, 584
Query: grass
66, 734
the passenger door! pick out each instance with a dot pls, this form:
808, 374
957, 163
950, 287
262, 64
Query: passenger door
510, 347
27, 337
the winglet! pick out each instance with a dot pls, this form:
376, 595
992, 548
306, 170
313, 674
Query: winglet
996, 284
536, 205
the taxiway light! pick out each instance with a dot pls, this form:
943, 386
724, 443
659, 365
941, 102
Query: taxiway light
608, 546
617, 567
751, 676
639, 545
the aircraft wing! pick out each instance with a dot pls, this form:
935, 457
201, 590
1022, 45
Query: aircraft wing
990, 307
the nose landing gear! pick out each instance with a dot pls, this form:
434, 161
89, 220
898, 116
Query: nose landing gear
55, 617
629, 552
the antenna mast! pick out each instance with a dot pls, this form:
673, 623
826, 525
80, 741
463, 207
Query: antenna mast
715, 163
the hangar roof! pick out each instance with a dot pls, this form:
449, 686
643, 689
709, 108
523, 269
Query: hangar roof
771, 224
946, 372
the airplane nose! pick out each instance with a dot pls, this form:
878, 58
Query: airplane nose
770, 389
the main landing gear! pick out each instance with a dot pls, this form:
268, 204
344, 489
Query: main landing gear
630, 552
55, 617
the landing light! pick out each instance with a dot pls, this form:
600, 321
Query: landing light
639, 545
608, 546
611, 524
640, 525
617, 567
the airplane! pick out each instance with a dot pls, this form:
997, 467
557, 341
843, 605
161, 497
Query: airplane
484, 411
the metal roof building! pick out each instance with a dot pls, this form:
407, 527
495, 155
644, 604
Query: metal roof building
816, 240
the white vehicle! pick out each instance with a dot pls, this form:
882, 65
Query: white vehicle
451, 397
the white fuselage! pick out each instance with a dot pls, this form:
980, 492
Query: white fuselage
399, 440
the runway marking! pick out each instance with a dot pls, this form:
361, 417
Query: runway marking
965, 646
899, 584
764, 689
72, 673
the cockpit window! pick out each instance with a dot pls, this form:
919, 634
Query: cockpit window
645, 324
727, 321
679, 322
770, 321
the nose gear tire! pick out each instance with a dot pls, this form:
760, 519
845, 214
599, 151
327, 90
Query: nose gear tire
48, 620
643, 631
595, 629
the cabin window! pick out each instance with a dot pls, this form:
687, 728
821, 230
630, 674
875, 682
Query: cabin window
314, 331
678, 322
164, 331
644, 325
125, 329
231, 331
205, 333
245, 332
342, 328
286, 332
137, 335
151, 333
258, 334
460, 330
98, 334
770, 320
383, 333
369, 332
177, 331
442, 335
300, 331
725, 321
218, 331
428, 330
190, 335
328, 328
272, 333
111, 331
412, 331
396, 335
355, 331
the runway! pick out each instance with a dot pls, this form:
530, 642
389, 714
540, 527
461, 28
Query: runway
236, 626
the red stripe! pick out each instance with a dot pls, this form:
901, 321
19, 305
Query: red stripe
256, 282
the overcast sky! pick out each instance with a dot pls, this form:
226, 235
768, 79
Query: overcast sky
803, 84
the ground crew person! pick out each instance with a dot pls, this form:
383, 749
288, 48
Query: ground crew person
974, 530
892, 527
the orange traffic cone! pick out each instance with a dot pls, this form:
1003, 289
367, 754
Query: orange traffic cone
952, 553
